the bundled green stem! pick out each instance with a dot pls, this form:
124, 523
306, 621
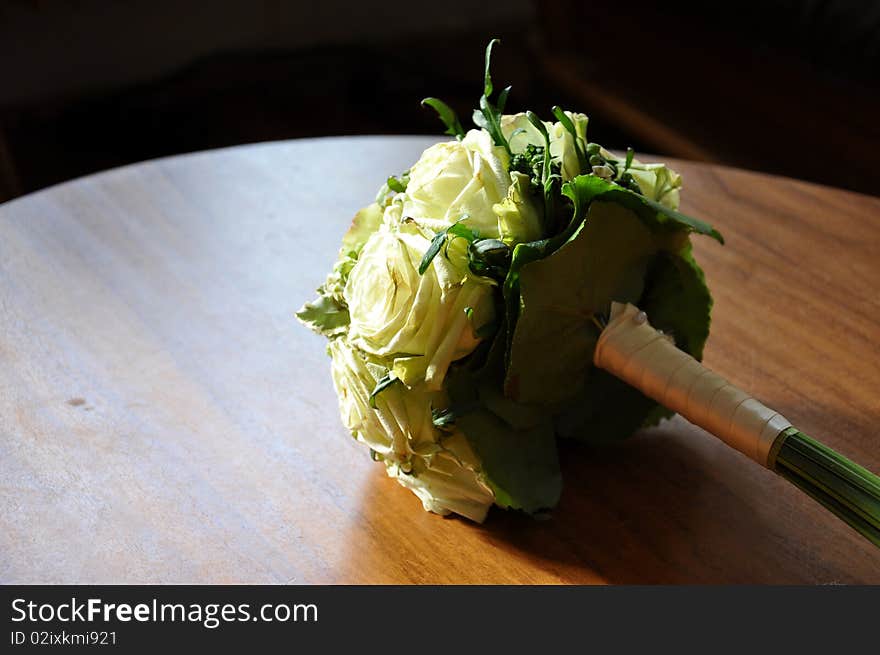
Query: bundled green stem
840, 485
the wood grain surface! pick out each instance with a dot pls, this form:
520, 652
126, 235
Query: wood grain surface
163, 418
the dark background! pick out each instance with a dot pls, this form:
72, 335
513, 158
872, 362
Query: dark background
782, 86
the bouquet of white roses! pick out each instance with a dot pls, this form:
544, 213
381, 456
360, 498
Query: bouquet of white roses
520, 284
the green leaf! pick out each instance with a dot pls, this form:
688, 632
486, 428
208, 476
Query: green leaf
397, 185
698, 226
443, 419
542, 129
590, 187
431, 252
463, 231
487, 76
489, 258
516, 444
634, 255
563, 118
447, 115
482, 122
520, 466
439, 239
546, 176
525, 253
491, 122
384, 382
606, 409
488, 117
325, 316
364, 223
678, 302
502, 98
552, 346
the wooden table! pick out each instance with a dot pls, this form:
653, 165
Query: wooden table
163, 418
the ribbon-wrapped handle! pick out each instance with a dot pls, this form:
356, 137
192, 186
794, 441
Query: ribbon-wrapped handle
630, 349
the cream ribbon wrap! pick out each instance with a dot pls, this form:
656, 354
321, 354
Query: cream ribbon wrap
632, 350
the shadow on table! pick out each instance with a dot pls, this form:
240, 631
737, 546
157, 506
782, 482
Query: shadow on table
670, 506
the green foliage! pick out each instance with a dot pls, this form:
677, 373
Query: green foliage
622, 250
552, 347
516, 444
591, 187
676, 298
531, 162
398, 184
384, 382
447, 115
488, 116
439, 240
579, 145
325, 315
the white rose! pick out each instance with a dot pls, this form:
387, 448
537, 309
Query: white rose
440, 468
422, 322
520, 214
657, 182
446, 482
458, 178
